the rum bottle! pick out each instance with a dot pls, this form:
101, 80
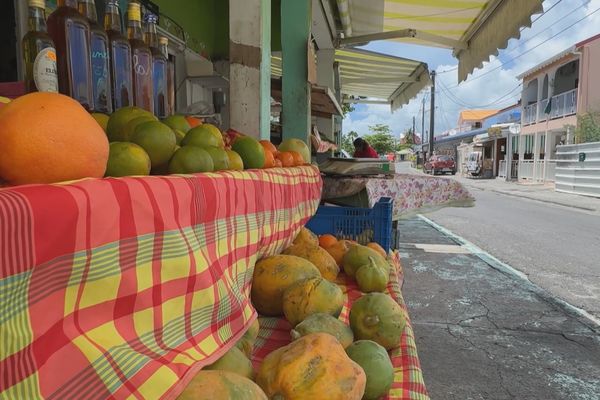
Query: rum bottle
39, 52
71, 34
120, 57
159, 68
100, 59
163, 43
141, 60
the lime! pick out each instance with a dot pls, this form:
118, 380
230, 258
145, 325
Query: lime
127, 159
190, 160
157, 139
219, 157
120, 118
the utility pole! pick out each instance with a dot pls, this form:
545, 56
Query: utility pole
423, 123
413, 131
432, 114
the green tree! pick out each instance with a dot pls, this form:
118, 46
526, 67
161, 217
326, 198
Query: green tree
588, 127
381, 139
347, 141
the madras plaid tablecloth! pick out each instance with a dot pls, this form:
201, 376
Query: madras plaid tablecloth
124, 288
408, 378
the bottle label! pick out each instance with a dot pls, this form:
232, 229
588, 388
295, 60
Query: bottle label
45, 74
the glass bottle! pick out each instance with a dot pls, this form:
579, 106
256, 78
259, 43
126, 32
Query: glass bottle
38, 52
159, 67
100, 59
71, 34
163, 44
120, 57
142, 59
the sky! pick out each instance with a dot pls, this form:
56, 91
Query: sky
493, 86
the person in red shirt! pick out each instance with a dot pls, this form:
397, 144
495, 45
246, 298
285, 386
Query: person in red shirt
363, 149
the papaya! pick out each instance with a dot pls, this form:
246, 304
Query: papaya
377, 317
233, 361
376, 363
306, 238
246, 343
372, 277
221, 385
312, 367
358, 255
311, 296
319, 257
325, 323
272, 275
377, 247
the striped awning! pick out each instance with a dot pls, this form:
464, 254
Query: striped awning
473, 29
375, 76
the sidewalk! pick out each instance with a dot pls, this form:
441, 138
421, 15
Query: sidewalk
543, 193
484, 331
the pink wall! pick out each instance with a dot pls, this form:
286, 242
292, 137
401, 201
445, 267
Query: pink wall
589, 81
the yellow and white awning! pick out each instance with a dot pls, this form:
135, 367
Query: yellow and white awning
473, 29
376, 76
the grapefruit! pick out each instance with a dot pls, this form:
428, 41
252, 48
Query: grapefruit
190, 160
205, 135
177, 122
47, 138
179, 135
251, 151
157, 139
219, 157
102, 120
127, 159
235, 161
128, 130
120, 118
296, 145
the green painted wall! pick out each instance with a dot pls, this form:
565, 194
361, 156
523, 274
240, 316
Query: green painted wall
198, 20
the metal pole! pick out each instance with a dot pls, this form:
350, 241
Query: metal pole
423, 122
432, 114
413, 129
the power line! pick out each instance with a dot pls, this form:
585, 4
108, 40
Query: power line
529, 50
461, 103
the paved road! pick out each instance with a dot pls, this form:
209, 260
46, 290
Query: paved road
557, 247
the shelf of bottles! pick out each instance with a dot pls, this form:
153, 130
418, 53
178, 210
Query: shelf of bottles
103, 67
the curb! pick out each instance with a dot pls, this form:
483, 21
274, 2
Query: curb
544, 201
517, 276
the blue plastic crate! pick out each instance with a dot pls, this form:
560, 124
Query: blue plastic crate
363, 225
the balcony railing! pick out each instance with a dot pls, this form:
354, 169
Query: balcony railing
563, 105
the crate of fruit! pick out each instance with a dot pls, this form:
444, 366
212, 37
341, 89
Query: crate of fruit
363, 225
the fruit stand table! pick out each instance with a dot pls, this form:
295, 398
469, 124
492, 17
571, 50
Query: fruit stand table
124, 288
412, 193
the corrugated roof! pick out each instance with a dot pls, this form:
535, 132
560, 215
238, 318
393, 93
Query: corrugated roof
476, 115
372, 75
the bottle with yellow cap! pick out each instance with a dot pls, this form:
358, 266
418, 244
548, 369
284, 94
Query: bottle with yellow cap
142, 59
159, 67
38, 52
70, 32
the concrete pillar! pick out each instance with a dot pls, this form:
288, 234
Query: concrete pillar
536, 156
250, 67
326, 78
521, 154
295, 32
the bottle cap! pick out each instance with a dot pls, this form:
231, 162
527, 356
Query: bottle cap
163, 40
151, 18
37, 3
134, 12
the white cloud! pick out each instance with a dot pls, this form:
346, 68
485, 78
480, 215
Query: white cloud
494, 81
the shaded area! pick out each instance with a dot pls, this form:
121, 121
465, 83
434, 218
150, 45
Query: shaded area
482, 334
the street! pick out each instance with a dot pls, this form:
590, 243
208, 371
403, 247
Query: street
558, 248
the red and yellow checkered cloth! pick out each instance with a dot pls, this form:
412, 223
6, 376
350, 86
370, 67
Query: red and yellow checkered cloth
119, 288
408, 378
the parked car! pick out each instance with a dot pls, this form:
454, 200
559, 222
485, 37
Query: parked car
441, 164
474, 163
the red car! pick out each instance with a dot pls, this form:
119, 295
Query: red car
440, 164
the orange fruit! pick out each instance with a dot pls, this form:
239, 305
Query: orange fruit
49, 137
193, 121
327, 240
268, 146
377, 248
286, 158
269, 160
338, 250
298, 159
277, 163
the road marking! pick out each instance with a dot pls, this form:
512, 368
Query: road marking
508, 270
